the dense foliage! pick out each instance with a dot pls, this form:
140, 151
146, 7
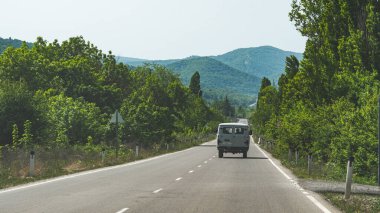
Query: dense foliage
325, 105
63, 94
195, 84
227, 109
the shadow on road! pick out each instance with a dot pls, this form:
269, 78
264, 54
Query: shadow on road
252, 158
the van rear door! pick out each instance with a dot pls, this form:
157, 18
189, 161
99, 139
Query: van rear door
225, 135
241, 136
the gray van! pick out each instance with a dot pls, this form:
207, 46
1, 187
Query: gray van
233, 138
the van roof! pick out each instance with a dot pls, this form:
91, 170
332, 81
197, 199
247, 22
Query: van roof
232, 124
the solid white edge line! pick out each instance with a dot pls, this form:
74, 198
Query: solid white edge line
311, 198
317, 203
157, 191
178, 179
65, 177
122, 210
270, 160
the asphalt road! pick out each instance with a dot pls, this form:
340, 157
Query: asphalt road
193, 180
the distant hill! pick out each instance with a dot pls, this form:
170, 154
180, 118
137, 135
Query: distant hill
218, 79
9, 42
129, 60
138, 62
265, 61
237, 74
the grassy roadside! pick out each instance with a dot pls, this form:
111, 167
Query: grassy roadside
320, 171
357, 202
49, 163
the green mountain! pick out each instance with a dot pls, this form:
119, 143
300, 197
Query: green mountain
130, 61
218, 79
9, 42
138, 62
265, 61
235, 73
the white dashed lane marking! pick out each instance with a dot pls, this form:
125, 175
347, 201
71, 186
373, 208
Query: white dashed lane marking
191, 171
157, 191
122, 210
178, 179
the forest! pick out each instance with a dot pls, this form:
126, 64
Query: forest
63, 94
326, 104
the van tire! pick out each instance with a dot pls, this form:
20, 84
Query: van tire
244, 154
220, 154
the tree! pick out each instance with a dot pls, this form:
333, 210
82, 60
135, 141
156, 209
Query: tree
228, 109
265, 82
17, 105
73, 120
267, 107
291, 66
195, 84
326, 101
27, 137
65, 92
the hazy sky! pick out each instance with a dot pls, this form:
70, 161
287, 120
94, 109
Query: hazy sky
155, 29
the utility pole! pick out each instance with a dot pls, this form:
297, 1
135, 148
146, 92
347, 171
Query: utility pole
117, 133
378, 145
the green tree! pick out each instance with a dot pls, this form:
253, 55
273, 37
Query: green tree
73, 120
291, 66
266, 108
27, 137
17, 105
195, 84
15, 136
228, 109
326, 101
265, 82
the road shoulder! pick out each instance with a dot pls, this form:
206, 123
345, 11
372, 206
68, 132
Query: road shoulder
317, 199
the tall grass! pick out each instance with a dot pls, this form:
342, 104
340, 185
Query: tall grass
357, 202
319, 169
56, 161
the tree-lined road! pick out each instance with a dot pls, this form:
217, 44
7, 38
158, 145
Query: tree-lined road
193, 180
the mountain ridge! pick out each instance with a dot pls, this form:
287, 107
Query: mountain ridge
10, 42
263, 61
218, 79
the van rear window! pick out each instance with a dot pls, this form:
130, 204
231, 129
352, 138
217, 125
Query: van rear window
239, 130
226, 130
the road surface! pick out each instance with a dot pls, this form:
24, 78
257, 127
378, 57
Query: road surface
193, 180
